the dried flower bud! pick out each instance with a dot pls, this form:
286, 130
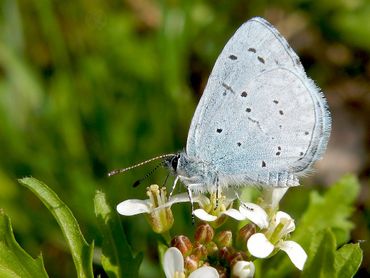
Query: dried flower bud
182, 243
204, 233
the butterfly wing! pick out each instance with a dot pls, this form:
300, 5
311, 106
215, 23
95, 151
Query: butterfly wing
260, 119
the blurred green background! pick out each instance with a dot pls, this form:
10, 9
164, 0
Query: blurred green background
89, 86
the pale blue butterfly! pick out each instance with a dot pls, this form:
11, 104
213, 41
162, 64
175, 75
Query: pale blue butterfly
260, 121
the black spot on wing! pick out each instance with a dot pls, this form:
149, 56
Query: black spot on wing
261, 59
227, 87
306, 133
275, 101
244, 94
278, 153
233, 57
281, 112
248, 110
219, 130
251, 49
263, 163
239, 144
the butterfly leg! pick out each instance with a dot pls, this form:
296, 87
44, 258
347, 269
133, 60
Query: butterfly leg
190, 193
218, 193
174, 185
165, 181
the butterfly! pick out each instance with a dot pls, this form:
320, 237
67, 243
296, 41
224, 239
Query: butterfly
260, 121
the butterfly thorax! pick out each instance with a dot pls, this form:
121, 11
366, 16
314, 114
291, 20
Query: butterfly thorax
198, 175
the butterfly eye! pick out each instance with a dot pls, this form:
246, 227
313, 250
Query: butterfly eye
174, 162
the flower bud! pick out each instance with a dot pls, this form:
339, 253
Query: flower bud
191, 263
224, 239
211, 248
199, 250
225, 253
204, 233
243, 269
236, 257
246, 232
182, 243
222, 272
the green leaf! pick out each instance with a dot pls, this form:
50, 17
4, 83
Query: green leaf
81, 251
348, 259
321, 256
14, 261
329, 211
117, 258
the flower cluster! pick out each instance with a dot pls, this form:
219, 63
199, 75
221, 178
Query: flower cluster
220, 253
208, 247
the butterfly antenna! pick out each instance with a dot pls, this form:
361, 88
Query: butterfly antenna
119, 171
137, 183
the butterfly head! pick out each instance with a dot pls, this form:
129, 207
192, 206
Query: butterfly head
172, 162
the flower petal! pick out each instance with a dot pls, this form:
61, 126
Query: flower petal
203, 215
243, 269
204, 271
272, 196
286, 219
295, 252
234, 213
133, 207
178, 198
259, 246
173, 262
254, 213
202, 200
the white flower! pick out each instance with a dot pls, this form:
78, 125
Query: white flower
243, 269
212, 209
173, 265
249, 211
261, 245
135, 206
157, 206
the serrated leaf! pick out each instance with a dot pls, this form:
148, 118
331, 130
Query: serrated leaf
117, 258
14, 261
81, 251
348, 260
321, 256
